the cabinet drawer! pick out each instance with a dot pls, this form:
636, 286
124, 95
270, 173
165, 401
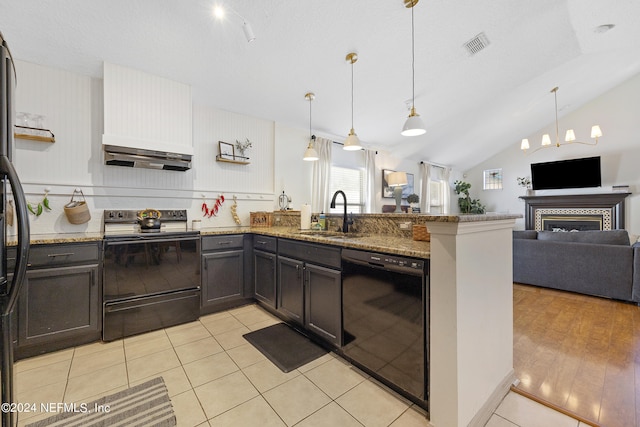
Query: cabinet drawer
57, 254
214, 243
309, 252
265, 243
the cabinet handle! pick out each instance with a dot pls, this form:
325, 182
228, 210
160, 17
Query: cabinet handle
224, 243
261, 242
63, 254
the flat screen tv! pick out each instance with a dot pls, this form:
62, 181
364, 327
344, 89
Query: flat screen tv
574, 173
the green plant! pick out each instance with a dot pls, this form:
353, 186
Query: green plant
466, 204
242, 146
524, 182
413, 198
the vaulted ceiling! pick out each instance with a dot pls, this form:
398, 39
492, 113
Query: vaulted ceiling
473, 105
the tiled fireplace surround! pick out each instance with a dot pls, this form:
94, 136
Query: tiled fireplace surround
579, 212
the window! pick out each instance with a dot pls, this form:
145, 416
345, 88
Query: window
351, 181
436, 190
492, 179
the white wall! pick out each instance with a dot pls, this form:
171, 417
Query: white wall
292, 174
73, 106
617, 114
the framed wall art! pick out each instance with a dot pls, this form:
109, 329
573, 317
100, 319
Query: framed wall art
387, 191
226, 151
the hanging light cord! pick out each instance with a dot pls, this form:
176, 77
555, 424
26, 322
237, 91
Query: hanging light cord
413, 63
352, 93
555, 96
310, 119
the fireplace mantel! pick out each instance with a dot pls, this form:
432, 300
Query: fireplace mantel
612, 202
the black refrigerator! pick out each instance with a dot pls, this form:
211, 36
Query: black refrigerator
10, 189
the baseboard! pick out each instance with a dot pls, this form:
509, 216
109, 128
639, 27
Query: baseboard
486, 411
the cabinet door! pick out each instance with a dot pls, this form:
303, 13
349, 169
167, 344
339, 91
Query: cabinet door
291, 289
58, 304
323, 311
222, 277
264, 264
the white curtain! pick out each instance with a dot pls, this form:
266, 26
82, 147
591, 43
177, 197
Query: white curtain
321, 171
369, 181
446, 196
425, 187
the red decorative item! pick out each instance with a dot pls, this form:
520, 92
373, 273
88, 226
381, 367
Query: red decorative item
213, 210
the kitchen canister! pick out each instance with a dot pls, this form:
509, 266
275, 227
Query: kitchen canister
77, 211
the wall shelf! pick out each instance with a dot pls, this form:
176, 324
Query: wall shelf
41, 135
238, 160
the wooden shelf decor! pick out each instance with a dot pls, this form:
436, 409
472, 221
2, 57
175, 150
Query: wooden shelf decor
227, 153
42, 135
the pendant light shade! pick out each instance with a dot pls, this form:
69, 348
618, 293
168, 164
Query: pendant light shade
413, 126
310, 154
352, 143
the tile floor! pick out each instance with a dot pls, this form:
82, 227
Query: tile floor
215, 378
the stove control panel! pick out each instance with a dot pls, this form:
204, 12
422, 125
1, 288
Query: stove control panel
131, 216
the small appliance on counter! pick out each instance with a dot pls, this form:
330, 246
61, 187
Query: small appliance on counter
284, 201
151, 271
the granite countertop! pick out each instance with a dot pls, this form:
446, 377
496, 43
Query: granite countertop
377, 242
45, 239
372, 242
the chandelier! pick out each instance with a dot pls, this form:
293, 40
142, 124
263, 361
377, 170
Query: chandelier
569, 138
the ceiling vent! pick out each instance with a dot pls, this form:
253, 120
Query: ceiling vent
476, 44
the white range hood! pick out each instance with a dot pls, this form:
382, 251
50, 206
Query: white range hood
147, 120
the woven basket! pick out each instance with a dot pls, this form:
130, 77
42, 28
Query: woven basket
420, 232
261, 219
77, 211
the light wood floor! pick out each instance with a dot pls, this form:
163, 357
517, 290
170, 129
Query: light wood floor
578, 352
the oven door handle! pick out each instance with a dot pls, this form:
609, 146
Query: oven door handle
136, 240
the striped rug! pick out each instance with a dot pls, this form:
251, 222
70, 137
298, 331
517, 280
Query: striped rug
145, 405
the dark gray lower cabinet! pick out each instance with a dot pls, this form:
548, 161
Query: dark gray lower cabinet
60, 302
291, 289
264, 269
310, 294
223, 272
323, 307
264, 273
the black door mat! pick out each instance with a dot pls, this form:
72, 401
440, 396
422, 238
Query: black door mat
284, 346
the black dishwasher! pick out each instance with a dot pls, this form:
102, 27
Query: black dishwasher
385, 319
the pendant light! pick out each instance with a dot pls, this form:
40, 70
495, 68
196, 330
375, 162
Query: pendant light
310, 154
570, 136
352, 143
413, 126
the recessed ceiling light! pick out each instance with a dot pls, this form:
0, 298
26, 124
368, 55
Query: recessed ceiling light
603, 28
218, 12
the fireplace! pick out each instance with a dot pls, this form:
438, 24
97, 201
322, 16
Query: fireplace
556, 222
577, 212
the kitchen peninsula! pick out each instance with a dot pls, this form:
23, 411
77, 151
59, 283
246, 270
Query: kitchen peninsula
470, 304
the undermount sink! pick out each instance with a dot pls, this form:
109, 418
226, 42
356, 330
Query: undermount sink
344, 236
332, 235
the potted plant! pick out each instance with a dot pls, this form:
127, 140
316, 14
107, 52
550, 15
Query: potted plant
413, 200
466, 204
526, 183
243, 146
